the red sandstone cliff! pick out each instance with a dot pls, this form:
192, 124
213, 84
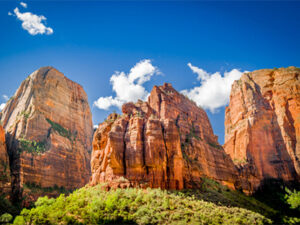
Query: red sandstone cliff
262, 125
49, 132
166, 142
4, 165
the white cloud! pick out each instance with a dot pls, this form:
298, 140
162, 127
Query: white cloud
2, 106
202, 74
96, 126
129, 87
32, 22
106, 102
214, 89
23, 4
5, 97
10, 14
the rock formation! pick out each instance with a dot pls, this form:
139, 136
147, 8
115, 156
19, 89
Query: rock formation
262, 125
166, 142
4, 165
49, 131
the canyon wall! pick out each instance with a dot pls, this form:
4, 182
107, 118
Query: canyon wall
4, 165
49, 131
262, 126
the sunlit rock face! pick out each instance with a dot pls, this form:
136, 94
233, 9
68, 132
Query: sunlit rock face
262, 125
4, 165
166, 142
49, 131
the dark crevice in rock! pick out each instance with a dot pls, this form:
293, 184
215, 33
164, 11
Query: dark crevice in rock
167, 169
144, 148
124, 146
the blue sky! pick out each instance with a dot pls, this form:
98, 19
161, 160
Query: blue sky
93, 39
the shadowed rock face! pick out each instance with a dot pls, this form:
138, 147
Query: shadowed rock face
166, 142
262, 125
4, 165
49, 131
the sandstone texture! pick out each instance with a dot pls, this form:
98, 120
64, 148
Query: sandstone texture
262, 125
166, 142
49, 132
4, 165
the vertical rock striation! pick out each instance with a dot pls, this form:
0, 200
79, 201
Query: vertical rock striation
4, 165
262, 125
49, 131
166, 142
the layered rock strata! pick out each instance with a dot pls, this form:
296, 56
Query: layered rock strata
166, 142
262, 125
4, 165
49, 130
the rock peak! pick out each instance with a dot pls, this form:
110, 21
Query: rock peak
166, 142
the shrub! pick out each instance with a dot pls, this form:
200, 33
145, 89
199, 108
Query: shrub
94, 205
293, 198
7, 207
25, 114
33, 147
61, 130
5, 218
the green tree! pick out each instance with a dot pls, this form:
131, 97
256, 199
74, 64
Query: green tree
293, 198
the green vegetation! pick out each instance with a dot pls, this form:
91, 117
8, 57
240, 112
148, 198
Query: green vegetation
273, 193
192, 133
293, 198
11, 98
6, 218
7, 208
4, 175
31, 190
37, 188
33, 147
61, 130
189, 137
215, 145
213, 203
239, 161
94, 205
139, 114
239, 82
25, 114
153, 116
112, 117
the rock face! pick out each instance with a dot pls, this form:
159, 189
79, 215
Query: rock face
166, 142
4, 165
49, 131
262, 125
